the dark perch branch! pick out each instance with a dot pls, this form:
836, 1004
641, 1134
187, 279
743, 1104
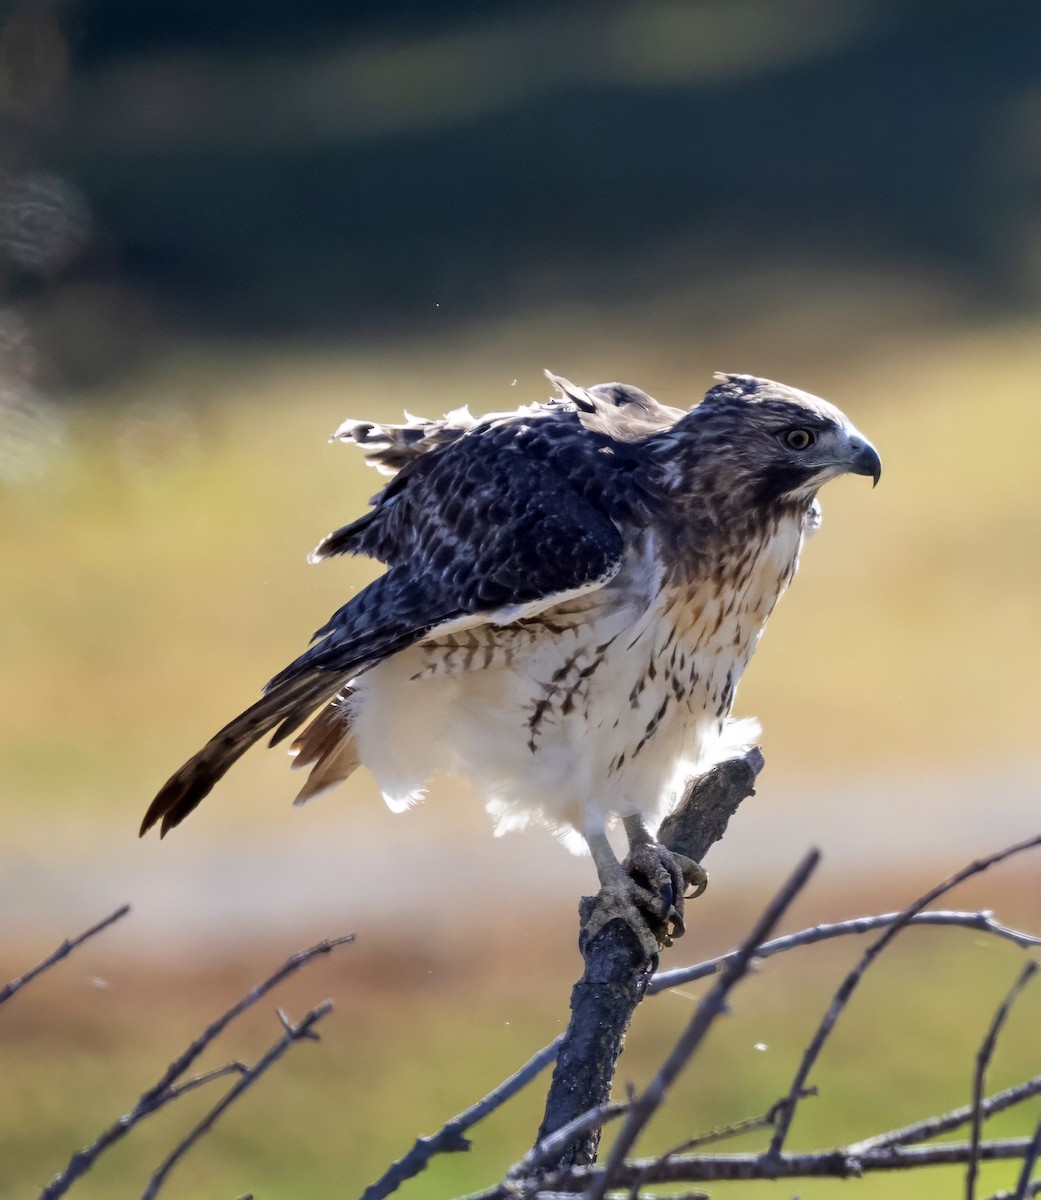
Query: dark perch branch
983, 921
617, 971
545, 1153
712, 1005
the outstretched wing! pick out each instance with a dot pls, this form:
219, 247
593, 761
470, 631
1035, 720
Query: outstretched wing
494, 526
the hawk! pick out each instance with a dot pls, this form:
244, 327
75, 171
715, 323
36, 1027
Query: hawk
572, 593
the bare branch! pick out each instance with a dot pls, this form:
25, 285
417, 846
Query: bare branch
189, 1085
1033, 1190
548, 1150
983, 1057
302, 1031
642, 1109
165, 1090
449, 1138
982, 921
836, 1163
849, 984
931, 1127
701, 817
292, 964
1029, 1162
63, 951
765, 1121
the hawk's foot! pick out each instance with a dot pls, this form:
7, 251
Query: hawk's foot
620, 900
661, 877
646, 891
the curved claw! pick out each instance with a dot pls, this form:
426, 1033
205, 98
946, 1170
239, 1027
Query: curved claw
648, 889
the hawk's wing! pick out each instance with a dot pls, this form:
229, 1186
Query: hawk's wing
492, 527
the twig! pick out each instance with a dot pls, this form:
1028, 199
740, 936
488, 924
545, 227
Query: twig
765, 1120
292, 964
548, 1150
835, 1163
983, 1057
165, 1090
304, 1029
643, 1108
848, 985
931, 1127
982, 921
1033, 1190
735, 1129
1029, 1162
63, 951
449, 1138
189, 1085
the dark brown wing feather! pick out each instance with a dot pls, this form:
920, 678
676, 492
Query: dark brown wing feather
187, 787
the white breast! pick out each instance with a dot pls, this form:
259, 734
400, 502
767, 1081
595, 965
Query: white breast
602, 706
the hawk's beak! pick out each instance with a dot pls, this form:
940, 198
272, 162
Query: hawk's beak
864, 459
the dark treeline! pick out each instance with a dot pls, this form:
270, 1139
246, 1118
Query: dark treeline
327, 166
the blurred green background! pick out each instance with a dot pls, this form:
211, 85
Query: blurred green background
224, 229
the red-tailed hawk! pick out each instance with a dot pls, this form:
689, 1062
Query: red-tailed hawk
572, 593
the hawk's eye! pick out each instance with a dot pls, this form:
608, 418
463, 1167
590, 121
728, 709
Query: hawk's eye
799, 439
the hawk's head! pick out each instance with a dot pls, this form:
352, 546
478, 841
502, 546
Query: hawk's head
768, 442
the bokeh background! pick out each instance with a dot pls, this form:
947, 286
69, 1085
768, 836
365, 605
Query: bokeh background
224, 229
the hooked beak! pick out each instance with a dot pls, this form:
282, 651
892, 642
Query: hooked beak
864, 459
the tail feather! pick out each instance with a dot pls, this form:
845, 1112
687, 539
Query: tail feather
328, 748
186, 788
